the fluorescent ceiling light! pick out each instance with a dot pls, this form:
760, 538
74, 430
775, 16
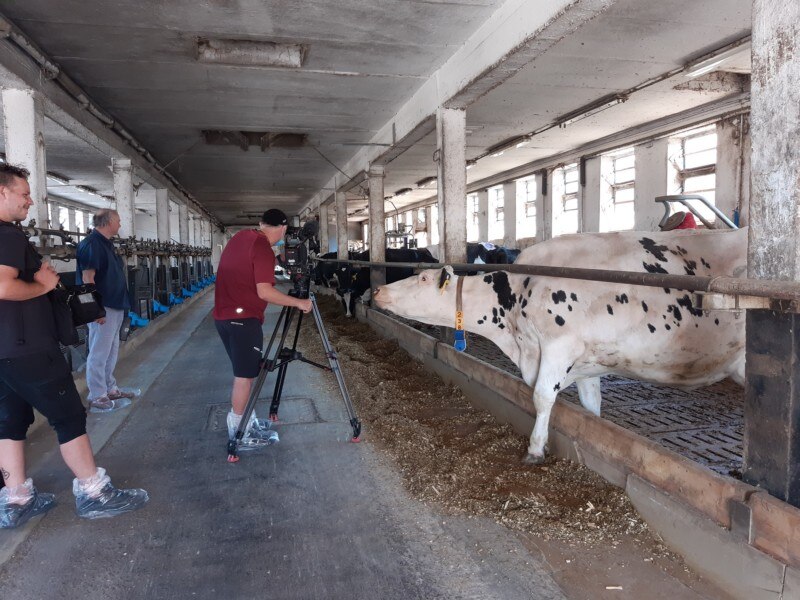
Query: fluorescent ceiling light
471, 163
514, 142
402, 192
590, 110
715, 60
250, 53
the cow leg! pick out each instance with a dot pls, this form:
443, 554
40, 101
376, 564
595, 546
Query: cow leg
543, 400
589, 393
551, 379
347, 300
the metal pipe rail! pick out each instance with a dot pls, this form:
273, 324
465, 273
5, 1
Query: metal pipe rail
785, 295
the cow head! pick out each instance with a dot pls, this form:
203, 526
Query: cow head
427, 297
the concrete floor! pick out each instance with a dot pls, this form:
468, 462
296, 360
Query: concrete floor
311, 517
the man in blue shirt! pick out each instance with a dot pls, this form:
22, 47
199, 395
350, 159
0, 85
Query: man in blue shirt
98, 263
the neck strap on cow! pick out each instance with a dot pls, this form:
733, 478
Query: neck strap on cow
460, 343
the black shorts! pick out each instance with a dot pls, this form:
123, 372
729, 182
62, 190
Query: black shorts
243, 341
42, 381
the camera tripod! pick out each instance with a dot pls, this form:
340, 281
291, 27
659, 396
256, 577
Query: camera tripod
283, 356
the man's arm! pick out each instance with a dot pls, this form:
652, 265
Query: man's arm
268, 293
88, 275
12, 288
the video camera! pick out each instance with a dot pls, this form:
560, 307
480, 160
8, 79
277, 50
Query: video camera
297, 265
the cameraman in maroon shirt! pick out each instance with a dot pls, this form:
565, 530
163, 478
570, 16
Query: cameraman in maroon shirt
244, 287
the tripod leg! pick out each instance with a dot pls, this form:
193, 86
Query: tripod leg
278, 390
333, 360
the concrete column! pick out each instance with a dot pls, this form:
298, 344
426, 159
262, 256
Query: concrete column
544, 206
377, 224
772, 391
162, 215
483, 215
218, 241
451, 136
183, 223
341, 225
324, 223
651, 180
195, 234
510, 214
23, 125
71, 221
590, 196
733, 150
124, 196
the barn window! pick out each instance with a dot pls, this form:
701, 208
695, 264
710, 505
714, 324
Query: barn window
496, 203
526, 196
693, 157
80, 224
421, 230
434, 226
473, 212
566, 188
617, 198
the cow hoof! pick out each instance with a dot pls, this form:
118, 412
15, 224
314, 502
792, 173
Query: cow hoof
532, 459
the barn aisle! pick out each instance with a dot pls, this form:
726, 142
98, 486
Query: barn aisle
311, 517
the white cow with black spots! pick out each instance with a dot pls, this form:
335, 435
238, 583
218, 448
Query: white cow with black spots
559, 331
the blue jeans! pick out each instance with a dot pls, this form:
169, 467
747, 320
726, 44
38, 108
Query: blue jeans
103, 352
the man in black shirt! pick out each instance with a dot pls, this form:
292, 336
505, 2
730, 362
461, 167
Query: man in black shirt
34, 374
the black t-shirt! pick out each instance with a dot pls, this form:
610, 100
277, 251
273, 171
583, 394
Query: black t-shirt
26, 326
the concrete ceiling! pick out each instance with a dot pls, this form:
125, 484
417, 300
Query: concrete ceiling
364, 61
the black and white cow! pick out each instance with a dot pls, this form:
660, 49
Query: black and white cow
324, 273
354, 281
559, 331
489, 254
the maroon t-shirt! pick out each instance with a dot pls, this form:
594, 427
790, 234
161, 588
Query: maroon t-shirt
247, 260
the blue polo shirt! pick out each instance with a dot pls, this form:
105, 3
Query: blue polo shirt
97, 252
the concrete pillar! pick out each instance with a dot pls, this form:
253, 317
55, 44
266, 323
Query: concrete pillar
591, 204
483, 215
183, 223
195, 234
510, 214
451, 136
124, 196
377, 224
162, 215
733, 153
218, 241
324, 223
772, 392
544, 206
652, 180
341, 225
23, 125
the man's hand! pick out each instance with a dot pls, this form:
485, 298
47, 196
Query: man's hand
101, 321
46, 276
304, 305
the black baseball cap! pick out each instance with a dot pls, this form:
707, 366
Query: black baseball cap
274, 217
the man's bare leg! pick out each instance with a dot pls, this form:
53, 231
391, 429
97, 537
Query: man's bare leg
240, 394
78, 455
12, 462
